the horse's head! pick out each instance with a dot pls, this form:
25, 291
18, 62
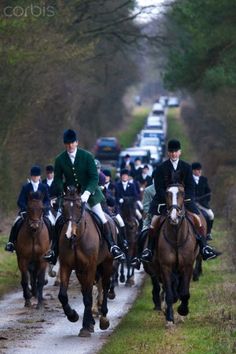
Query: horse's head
72, 210
175, 203
129, 205
35, 210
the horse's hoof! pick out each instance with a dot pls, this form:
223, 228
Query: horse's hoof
84, 332
170, 325
157, 308
52, 273
56, 283
73, 317
39, 306
195, 278
182, 311
122, 278
27, 303
104, 323
91, 328
111, 295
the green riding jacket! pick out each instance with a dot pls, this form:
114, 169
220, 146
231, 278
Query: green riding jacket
82, 174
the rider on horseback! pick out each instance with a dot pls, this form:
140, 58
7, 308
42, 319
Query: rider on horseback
170, 171
33, 185
76, 167
203, 196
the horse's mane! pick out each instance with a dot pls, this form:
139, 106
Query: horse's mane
35, 195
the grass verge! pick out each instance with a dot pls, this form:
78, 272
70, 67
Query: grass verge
9, 273
128, 136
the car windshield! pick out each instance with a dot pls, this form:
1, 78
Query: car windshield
151, 141
107, 142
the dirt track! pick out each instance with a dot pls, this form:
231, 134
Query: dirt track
27, 330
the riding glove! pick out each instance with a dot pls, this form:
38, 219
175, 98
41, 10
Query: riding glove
85, 196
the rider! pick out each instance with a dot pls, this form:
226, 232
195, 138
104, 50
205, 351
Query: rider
76, 167
148, 195
49, 182
113, 208
203, 196
170, 171
33, 185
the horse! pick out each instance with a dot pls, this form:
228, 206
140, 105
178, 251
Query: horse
128, 213
83, 249
32, 243
175, 252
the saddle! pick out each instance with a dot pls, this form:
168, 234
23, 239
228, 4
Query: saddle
96, 219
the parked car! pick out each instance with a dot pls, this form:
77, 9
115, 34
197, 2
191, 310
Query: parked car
107, 148
158, 109
173, 102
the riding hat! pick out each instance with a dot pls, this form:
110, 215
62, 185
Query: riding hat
35, 171
69, 136
49, 168
174, 145
196, 166
107, 173
124, 172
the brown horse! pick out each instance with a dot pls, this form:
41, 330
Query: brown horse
175, 253
128, 213
83, 249
32, 243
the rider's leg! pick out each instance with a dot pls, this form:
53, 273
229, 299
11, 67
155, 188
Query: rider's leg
147, 253
52, 254
122, 232
141, 240
10, 246
206, 251
107, 234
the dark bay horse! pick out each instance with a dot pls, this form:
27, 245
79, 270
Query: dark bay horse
32, 243
128, 213
83, 249
175, 253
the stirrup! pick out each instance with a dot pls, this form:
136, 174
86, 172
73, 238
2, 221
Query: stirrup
208, 253
117, 253
146, 255
10, 247
50, 257
136, 263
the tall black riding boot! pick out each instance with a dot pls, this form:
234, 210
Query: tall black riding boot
209, 227
52, 254
122, 238
147, 254
135, 262
114, 249
10, 246
206, 251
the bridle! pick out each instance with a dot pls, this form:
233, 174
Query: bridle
175, 212
73, 219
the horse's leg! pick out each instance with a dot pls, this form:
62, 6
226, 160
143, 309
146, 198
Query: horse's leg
65, 273
106, 271
197, 271
23, 266
184, 294
40, 284
156, 293
88, 320
167, 282
122, 273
